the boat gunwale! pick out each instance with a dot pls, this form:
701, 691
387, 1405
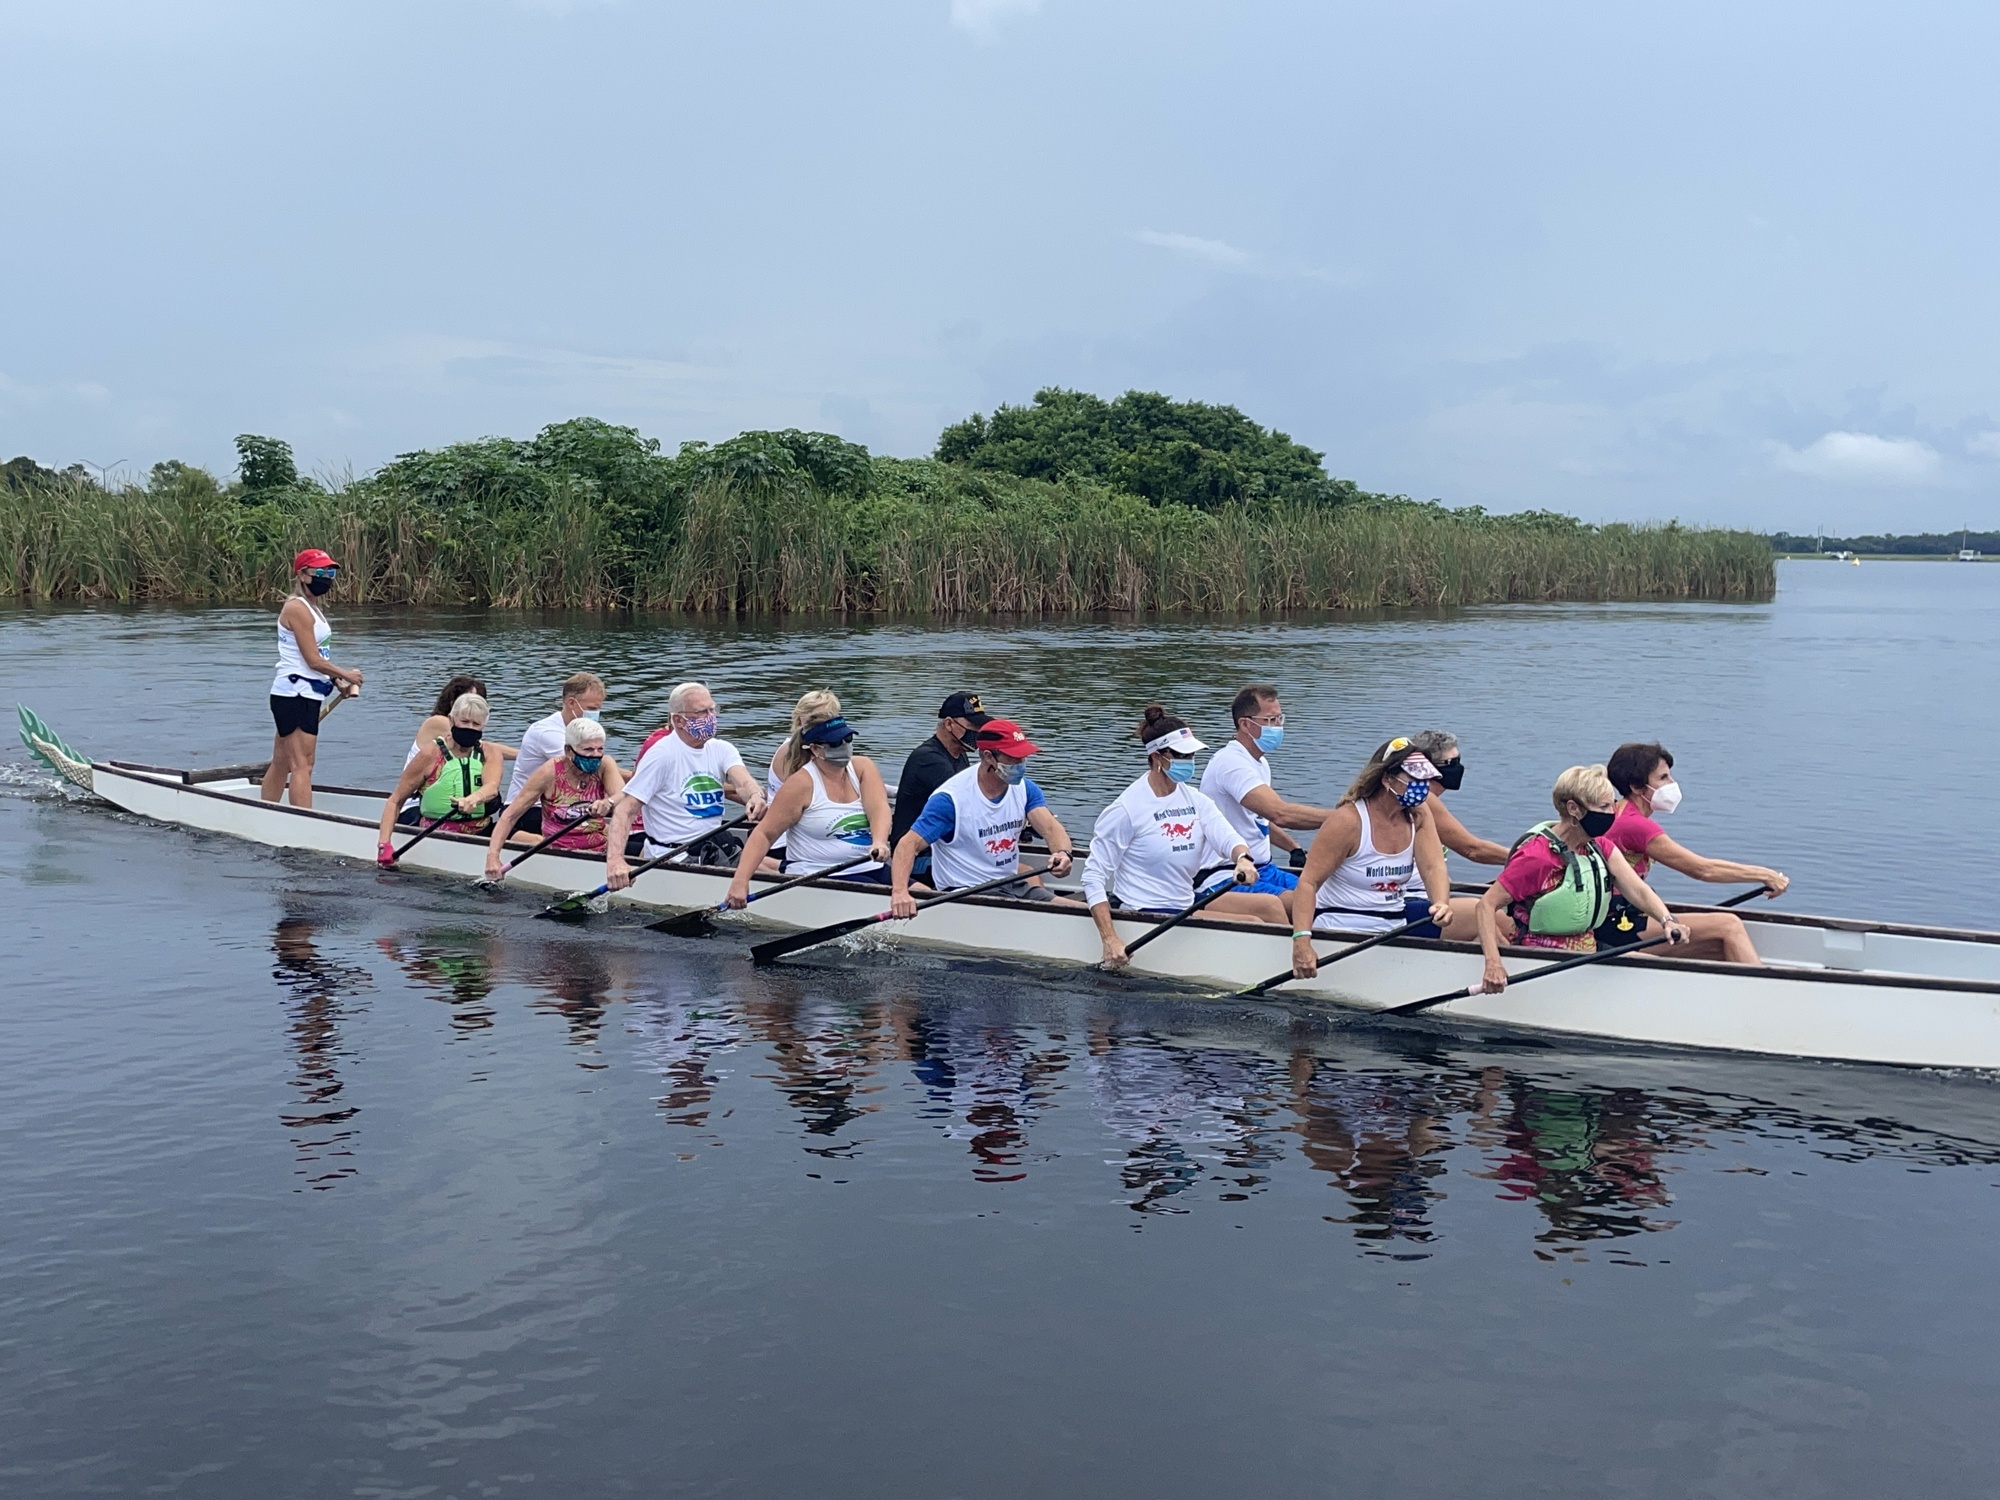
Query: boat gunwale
1712, 967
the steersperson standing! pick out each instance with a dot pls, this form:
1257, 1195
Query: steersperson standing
305, 680
972, 824
582, 697
935, 761
681, 784
1237, 779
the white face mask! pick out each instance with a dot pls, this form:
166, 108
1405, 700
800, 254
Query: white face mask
1666, 798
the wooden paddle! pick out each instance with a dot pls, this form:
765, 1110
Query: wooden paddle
1410, 1008
575, 902
695, 923
769, 953
1179, 917
1324, 959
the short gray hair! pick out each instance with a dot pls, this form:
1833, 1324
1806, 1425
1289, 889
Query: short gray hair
581, 731
1434, 743
677, 700
471, 706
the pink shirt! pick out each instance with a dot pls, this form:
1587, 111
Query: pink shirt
1536, 867
1631, 832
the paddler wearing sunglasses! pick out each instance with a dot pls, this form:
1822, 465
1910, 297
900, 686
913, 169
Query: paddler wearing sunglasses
305, 679
833, 807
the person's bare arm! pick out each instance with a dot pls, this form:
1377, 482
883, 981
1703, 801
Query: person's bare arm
1339, 836
743, 788
614, 781
793, 798
1431, 866
1493, 977
617, 873
532, 792
1275, 810
407, 785
1663, 850
1461, 841
874, 802
908, 847
1062, 848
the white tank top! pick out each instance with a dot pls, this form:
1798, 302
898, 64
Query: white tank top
293, 673
827, 832
986, 837
1365, 891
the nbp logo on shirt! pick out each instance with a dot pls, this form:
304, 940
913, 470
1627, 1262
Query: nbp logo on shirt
703, 795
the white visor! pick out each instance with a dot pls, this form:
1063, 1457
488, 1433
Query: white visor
1181, 742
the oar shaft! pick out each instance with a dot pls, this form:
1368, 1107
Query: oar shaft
1413, 1006
777, 948
1333, 958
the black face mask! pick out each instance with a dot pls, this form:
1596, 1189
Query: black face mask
319, 585
466, 739
1451, 775
1597, 824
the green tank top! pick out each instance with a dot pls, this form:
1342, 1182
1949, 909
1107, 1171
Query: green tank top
455, 778
1581, 900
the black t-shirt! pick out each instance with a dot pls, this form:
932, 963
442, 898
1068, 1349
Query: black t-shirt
929, 767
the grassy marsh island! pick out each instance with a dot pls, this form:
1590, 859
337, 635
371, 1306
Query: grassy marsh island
1072, 504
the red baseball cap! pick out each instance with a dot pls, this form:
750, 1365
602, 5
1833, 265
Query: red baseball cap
312, 557
1005, 737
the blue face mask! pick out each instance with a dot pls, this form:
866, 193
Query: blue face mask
589, 713
1013, 772
1413, 795
1270, 736
588, 764
1181, 770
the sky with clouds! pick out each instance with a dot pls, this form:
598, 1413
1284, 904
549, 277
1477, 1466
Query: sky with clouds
1715, 261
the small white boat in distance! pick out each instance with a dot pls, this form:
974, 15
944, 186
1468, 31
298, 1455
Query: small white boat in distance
1874, 992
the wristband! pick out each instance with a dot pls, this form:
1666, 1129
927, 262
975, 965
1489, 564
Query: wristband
1297, 933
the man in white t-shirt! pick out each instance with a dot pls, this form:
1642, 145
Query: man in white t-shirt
582, 697
1238, 781
682, 783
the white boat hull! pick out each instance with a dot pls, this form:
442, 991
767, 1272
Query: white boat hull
1850, 991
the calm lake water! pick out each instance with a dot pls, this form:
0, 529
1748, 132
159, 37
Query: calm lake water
318, 1181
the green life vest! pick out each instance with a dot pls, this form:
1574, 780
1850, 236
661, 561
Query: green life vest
1581, 900
454, 778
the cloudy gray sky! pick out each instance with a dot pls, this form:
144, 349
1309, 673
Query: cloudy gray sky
1721, 261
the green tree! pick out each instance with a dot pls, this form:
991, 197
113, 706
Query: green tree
265, 464
1169, 452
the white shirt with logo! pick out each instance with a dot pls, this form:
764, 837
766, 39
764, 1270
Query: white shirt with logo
985, 838
1147, 848
680, 787
541, 744
1232, 774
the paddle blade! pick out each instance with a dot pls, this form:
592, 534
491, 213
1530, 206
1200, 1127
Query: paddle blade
697, 923
765, 954
48, 748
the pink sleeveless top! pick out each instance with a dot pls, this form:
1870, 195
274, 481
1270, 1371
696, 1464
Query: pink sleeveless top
565, 805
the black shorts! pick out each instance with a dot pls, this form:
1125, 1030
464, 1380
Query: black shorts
1625, 926
531, 821
295, 713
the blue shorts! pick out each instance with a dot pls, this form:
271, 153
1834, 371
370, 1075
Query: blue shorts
1419, 910
1271, 881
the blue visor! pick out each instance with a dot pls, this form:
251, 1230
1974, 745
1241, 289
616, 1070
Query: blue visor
832, 731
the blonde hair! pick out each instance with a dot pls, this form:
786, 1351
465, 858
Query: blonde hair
1583, 785
578, 683
815, 707
472, 706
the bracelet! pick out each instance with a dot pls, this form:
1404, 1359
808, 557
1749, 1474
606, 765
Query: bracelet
1297, 933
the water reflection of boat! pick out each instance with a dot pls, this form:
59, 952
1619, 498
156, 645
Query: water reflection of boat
1860, 991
